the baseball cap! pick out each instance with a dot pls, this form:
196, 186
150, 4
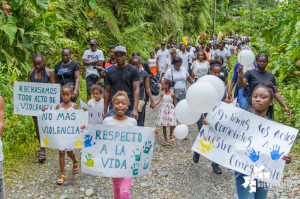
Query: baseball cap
93, 41
120, 49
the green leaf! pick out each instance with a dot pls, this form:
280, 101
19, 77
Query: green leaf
10, 27
92, 3
40, 4
9, 60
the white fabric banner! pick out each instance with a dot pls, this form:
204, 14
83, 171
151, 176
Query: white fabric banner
240, 140
117, 151
95, 115
60, 129
30, 97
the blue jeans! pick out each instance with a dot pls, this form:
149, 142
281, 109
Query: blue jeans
243, 193
158, 75
242, 99
112, 112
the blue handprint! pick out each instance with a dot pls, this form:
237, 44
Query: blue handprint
275, 153
135, 169
252, 154
88, 141
137, 155
147, 147
146, 164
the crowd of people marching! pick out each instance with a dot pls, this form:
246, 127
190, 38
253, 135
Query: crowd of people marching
128, 87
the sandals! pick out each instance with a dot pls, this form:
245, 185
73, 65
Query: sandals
156, 132
61, 180
75, 170
37, 153
164, 143
172, 139
42, 157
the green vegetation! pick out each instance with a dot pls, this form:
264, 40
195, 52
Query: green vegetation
31, 26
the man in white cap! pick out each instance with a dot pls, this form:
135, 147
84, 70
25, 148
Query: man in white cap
122, 77
92, 57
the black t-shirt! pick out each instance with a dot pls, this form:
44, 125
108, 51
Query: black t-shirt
121, 79
223, 74
147, 68
143, 76
65, 73
254, 78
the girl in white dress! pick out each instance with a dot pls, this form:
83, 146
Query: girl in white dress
166, 116
66, 94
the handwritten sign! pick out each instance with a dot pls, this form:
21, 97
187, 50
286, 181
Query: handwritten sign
31, 97
117, 151
240, 140
95, 115
60, 129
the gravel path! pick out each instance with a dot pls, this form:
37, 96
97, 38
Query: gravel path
173, 175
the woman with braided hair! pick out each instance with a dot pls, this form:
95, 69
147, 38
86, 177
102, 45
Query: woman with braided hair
39, 74
255, 77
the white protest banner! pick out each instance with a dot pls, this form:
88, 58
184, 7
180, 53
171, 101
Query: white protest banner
60, 129
30, 97
242, 141
117, 151
95, 115
82, 104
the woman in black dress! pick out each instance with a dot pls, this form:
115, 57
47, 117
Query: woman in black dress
40, 74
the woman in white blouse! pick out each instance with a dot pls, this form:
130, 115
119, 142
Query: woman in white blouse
200, 67
168, 63
181, 76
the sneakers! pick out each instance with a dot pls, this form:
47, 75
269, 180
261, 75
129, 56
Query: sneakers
196, 157
216, 168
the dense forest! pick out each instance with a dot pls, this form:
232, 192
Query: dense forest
31, 26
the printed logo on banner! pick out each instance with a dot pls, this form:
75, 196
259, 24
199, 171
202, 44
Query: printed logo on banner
60, 129
241, 141
30, 97
117, 151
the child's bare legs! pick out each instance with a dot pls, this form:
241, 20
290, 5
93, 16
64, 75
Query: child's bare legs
165, 135
62, 166
71, 154
171, 136
42, 149
171, 130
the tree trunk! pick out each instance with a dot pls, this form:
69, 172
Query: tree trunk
214, 18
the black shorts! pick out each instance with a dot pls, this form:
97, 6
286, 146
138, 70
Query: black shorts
90, 81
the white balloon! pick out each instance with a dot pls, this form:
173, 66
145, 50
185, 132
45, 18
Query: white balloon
181, 131
184, 114
246, 57
216, 82
202, 97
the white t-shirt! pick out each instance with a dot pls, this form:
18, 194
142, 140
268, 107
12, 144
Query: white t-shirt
177, 51
185, 59
200, 69
94, 103
178, 76
128, 122
192, 55
92, 56
152, 62
193, 49
162, 55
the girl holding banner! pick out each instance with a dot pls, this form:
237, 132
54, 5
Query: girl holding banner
261, 99
120, 103
66, 94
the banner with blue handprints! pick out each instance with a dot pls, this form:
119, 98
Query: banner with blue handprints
240, 140
117, 151
60, 129
30, 97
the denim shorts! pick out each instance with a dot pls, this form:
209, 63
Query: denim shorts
90, 81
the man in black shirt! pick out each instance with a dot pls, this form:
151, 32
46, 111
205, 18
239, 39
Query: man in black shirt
122, 77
